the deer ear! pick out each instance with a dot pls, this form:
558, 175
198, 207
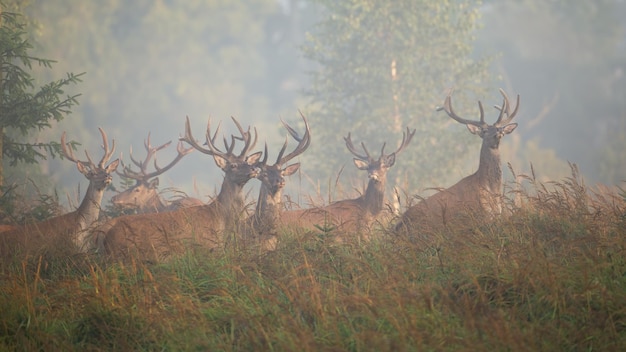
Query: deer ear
154, 183
509, 128
474, 129
112, 166
220, 161
360, 164
82, 168
291, 169
253, 158
390, 160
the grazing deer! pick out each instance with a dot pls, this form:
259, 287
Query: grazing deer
144, 197
353, 216
266, 218
157, 235
477, 194
76, 224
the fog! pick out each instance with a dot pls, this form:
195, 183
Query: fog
149, 65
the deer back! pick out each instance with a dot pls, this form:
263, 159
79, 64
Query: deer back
353, 216
70, 228
158, 235
476, 196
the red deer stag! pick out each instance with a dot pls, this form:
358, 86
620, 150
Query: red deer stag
143, 196
479, 194
353, 216
75, 225
158, 235
265, 221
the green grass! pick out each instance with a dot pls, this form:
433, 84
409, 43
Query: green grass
551, 276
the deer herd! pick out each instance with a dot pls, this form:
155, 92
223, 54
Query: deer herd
160, 228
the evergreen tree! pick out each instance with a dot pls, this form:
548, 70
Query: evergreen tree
23, 106
383, 65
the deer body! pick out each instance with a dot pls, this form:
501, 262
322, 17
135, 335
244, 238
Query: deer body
73, 226
477, 195
158, 235
352, 216
262, 227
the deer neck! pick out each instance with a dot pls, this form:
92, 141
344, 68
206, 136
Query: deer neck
489, 170
268, 203
230, 196
267, 211
89, 209
374, 197
155, 203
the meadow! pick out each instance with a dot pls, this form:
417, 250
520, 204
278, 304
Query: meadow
550, 275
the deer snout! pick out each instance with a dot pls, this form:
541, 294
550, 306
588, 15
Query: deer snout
374, 176
254, 172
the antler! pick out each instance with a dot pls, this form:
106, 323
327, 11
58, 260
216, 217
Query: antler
506, 108
143, 175
406, 138
69, 154
367, 157
447, 107
303, 142
210, 141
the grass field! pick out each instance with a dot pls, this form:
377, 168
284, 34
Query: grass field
549, 277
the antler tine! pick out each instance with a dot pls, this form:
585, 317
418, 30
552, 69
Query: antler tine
264, 161
447, 107
406, 139
181, 153
188, 137
482, 112
247, 143
303, 142
138, 163
127, 172
382, 150
68, 153
352, 149
506, 107
281, 152
105, 145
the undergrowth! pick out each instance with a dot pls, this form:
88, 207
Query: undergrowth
551, 275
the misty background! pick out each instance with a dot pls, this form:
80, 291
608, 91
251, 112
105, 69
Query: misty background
149, 64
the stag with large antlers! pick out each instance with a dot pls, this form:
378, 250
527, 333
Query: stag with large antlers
76, 224
143, 196
262, 226
479, 194
353, 216
155, 236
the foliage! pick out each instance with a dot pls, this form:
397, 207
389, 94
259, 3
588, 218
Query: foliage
385, 65
575, 52
551, 276
24, 107
151, 63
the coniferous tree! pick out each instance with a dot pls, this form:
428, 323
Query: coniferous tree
24, 107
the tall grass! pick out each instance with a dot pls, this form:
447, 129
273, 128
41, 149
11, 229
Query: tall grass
549, 276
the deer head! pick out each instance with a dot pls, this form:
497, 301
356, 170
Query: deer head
377, 168
491, 134
273, 176
145, 191
99, 175
238, 168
